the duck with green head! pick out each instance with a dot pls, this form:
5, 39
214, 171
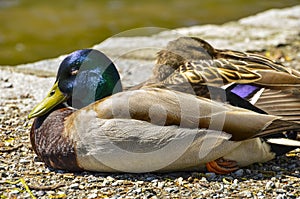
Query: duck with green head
86, 122
80, 81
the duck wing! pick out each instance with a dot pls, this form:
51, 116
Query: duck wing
196, 65
195, 60
166, 107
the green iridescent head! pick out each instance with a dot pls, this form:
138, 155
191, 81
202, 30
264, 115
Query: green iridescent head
83, 77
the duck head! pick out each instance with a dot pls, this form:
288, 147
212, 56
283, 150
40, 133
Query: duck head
83, 77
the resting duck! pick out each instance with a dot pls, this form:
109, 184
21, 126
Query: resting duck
194, 63
87, 122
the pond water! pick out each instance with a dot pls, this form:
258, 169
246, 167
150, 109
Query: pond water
33, 29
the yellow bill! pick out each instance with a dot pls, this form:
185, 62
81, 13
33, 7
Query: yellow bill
53, 98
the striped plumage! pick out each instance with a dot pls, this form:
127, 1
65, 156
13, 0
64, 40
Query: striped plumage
194, 63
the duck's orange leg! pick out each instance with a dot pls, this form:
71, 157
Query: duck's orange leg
222, 166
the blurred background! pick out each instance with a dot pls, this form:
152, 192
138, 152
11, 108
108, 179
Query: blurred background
32, 30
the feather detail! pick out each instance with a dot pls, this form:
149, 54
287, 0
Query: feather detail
164, 108
201, 65
284, 142
284, 103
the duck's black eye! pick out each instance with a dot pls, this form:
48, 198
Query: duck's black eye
74, 72
75, 68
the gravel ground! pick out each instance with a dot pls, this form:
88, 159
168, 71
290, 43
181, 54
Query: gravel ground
23, 175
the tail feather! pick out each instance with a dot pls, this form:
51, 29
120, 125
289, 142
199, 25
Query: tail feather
279, 126
284, 142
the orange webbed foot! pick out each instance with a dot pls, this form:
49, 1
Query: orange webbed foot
222, 166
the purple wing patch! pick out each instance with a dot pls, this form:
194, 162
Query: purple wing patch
244, 90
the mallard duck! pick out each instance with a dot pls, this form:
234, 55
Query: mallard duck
88, 122
194, 63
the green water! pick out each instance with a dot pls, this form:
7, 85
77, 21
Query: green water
34, 29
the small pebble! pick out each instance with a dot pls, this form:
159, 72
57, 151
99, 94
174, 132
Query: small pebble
139, 182
239, 172
81, 187
171, 189
259, 176
22, 161
150, 178
276, 168
269, 185
203, 179
105, 182
118, 182
273, 179
61, 194
234, 185
210, 175
160, 185
179, 180
26, 195
248, 171
260, 194
281, 196
40, 193
138, 190
74, 186
247, 194
15, 191
205, 193
109, 178
92, 179
8, 85
114, 184
92, 195
235, 181
50, 192
280, 191
292, 166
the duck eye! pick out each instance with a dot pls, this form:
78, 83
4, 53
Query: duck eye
74, 72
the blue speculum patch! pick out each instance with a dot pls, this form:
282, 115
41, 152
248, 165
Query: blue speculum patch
244, 90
